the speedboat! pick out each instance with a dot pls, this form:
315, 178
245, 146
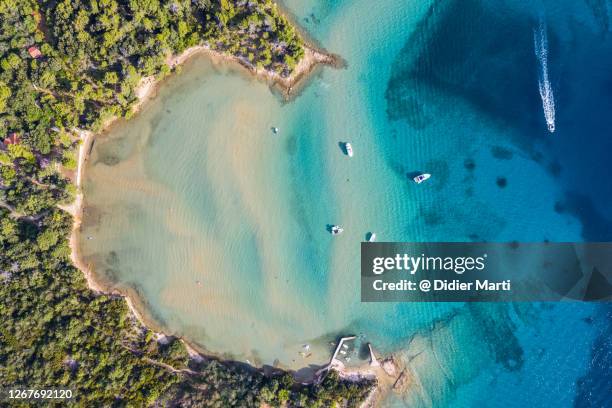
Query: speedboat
421, 178
275, 130
551, 127
371, 237
349, 149
336, 230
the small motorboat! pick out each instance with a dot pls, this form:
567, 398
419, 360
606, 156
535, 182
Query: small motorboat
421, 178
336, 230
349, 149
275, 130
371, 237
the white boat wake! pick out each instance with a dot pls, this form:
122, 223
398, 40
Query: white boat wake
546, 92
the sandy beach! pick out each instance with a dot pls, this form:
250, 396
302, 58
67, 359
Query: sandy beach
76, 210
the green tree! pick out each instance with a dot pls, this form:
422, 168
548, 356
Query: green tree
5, 93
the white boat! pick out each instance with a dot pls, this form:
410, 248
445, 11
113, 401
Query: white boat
336, 230
421, 178
275, 130
371, 237
349, 149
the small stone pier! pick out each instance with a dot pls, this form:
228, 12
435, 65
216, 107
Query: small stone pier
373, 361
334, 362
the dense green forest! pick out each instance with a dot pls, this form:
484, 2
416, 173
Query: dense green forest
75, 64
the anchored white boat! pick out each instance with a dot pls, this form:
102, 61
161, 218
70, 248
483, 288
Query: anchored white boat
336, 230
275, 130
371, 237
349, 149
421, 178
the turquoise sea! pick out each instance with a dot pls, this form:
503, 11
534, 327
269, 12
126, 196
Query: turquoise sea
218, 226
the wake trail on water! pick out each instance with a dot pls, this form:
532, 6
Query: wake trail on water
546, 93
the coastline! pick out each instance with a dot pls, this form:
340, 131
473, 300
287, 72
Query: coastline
146, 90
76, 210
289, 86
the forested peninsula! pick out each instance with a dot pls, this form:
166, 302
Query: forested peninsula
73, 65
